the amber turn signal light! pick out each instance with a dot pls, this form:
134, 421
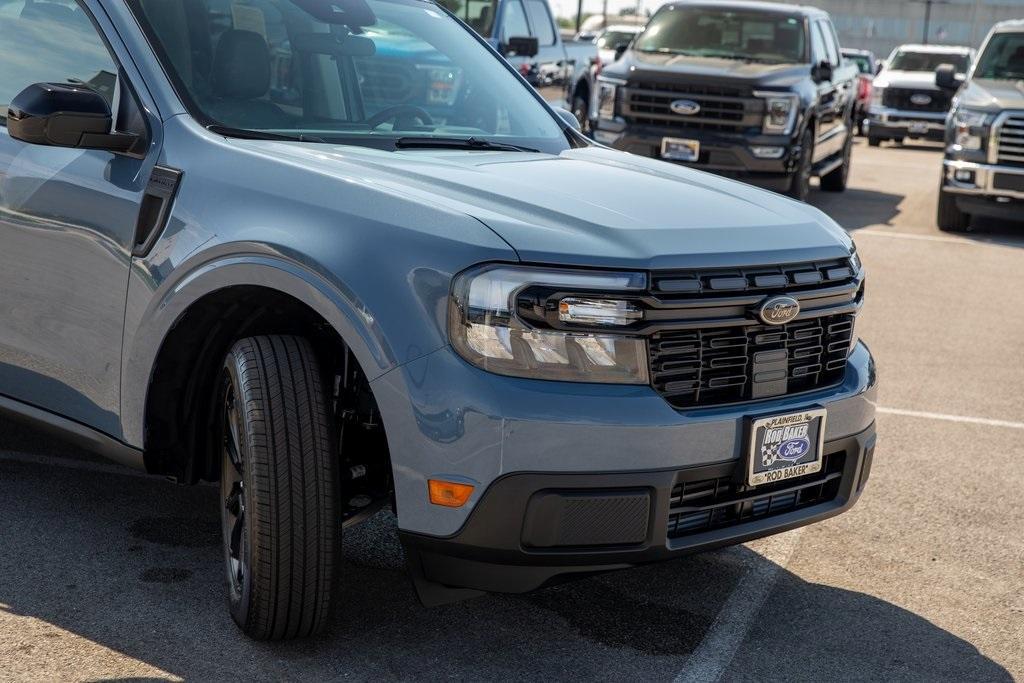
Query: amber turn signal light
448, 493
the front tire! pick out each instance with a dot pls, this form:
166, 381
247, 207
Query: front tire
949, 216
874, 142
279, 487
581, 110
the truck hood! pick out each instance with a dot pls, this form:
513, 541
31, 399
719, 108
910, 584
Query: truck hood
669, 68
925, 80
592, 206
992, 94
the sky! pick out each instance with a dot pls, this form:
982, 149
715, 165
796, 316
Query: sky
567, 8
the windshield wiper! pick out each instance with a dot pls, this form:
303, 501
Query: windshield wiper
248, 134
414, 142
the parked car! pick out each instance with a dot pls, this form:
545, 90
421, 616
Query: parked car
614, 40
867, 67
593, 25
983, 168
905, 102
751, 90
235, 250
525, 32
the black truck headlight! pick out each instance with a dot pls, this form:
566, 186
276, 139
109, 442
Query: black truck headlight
486, 330
970, 128
780, 112
606, 95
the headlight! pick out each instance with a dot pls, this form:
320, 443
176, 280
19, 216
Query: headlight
780, 112
876, 95
486, 329
969, 128
607, 94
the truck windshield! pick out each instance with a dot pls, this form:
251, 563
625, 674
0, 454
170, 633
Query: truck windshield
367, 72
1003, 57
927, 61
769, 37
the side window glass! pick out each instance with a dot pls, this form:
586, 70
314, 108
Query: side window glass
51, 42
540, 19
818, 53
514, 25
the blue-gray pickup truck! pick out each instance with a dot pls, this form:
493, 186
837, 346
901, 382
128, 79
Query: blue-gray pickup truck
338, 255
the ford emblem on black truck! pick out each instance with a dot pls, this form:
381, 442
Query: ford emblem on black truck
779, 310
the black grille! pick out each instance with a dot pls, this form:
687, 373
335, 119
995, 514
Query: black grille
902, 98
708, 504
721, 108
761, 279
714, 366
1011, 141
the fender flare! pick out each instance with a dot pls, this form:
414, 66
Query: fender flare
336, 304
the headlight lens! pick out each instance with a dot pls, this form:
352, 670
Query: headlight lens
780, 112
970, 127
607, 93
485, 329
876, 95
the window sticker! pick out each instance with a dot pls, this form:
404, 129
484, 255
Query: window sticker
248, 18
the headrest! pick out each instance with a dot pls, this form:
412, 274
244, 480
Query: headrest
241, 66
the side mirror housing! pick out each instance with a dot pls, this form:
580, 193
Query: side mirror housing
65, 115
947, 78
821, 72
522, 46
569, 118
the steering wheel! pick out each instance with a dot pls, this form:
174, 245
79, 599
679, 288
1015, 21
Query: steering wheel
402, 114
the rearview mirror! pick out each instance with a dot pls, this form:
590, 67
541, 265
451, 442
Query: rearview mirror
947, 78
821, 72
65, 115
522, 46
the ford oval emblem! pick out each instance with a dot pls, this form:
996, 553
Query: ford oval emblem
684, 107
779, 310
794, 449
921, 99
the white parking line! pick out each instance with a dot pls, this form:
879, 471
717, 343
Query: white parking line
714, 654
988, 422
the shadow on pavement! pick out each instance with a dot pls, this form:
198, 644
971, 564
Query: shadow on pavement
855, 208
133, 564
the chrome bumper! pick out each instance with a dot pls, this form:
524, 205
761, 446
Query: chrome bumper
983, 183
903, 118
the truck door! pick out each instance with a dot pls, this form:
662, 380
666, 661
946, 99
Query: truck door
67, 223
833, 94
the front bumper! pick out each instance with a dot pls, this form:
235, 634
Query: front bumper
726, 154
532, 528
884, 122
985, 189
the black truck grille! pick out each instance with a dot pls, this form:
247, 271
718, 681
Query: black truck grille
721, 108
714, 366
903, 98
708, 504
1011, 141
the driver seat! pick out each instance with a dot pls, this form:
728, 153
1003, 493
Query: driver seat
241, 81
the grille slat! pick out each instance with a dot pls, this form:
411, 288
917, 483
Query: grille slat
708, 504
1010, 142
902, 98
721, 108
714, 367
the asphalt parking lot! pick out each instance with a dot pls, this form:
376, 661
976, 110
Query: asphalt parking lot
108, 574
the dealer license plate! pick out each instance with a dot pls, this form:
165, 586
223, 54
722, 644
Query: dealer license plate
678, 149
785, 446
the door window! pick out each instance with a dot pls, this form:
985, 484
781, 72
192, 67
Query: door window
831, 49
540, 19
818, 52
515, 25
51, 42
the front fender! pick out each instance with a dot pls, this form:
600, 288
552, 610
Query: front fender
237, 265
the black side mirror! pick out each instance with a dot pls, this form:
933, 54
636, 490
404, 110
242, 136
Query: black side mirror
821, 72
65, 115
522, 46
620, 50
947, 78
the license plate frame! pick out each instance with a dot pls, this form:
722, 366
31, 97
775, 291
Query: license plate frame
771, 460
680, 149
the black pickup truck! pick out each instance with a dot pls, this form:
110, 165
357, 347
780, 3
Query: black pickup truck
752, 90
